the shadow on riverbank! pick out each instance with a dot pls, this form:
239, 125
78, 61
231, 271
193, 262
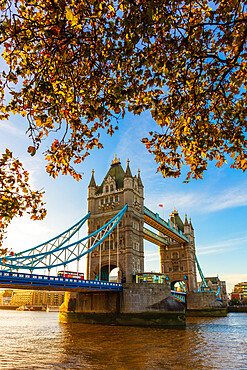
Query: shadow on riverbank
237, 309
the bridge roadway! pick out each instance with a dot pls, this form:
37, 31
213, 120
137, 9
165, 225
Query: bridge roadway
180, 296
16, 280
154, 220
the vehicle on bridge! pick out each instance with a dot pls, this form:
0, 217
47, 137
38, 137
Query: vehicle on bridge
71, 274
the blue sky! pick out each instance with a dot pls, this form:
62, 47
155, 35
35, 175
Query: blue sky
217, 204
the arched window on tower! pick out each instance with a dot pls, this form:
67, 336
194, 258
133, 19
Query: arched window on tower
111, 188
107, 189
175, 267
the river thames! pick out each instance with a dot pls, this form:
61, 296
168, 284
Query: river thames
36, 340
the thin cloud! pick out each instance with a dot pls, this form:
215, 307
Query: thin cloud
201, 202
35, 166
24, 233
233, 197
11, 129
233, 279
150, 257
222, 247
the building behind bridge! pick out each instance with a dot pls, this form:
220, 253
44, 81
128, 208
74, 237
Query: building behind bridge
240, 289
39, 298
214, 283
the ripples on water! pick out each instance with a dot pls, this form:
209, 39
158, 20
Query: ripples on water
36, 340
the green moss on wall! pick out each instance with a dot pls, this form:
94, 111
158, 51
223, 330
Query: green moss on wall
138, 319
212, 312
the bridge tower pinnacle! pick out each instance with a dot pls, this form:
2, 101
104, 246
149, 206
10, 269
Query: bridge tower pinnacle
124, 247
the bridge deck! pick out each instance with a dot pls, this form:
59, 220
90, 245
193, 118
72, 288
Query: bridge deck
180, 296
154, 238
159, 224
17, 280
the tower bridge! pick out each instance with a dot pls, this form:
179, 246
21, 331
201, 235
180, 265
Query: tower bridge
175, 238
116, 218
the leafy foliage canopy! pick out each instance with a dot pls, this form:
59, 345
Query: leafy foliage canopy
75, 65
16, 196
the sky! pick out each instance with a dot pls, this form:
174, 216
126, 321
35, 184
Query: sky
217, 205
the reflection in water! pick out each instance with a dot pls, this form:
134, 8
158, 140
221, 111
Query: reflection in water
35, 340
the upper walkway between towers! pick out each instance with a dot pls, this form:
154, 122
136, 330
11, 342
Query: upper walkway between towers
154, 238
166, 228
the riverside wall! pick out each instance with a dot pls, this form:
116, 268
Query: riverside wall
204, 304
138, 305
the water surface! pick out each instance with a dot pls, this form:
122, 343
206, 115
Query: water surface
36, 340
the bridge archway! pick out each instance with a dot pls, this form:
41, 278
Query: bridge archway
104, 272
179, 285
114, 274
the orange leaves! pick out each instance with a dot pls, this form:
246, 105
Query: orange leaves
16, 196
117, 110
84, 63
31, 150
110, 130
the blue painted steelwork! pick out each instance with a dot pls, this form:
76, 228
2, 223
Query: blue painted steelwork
204, 282
32, 280
173, 233
218, 291
182, 286
180, 296
65, 237
56, 252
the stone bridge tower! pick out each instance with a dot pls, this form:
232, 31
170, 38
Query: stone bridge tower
178, 260
118, 188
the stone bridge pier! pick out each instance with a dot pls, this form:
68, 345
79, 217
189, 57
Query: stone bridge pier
138, 305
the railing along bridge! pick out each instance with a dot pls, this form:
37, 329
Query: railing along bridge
62, 250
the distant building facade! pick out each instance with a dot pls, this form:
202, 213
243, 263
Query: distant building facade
37, 298
241, 288
22, 297
5, 297
214, 283
43, 298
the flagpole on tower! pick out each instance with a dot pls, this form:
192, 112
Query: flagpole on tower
162, 206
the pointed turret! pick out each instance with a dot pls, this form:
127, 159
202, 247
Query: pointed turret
92, 188
139, 179
191, 234
187, 228
128, 172
92, 183
128, 179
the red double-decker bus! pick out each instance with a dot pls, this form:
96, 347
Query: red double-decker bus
71, 274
